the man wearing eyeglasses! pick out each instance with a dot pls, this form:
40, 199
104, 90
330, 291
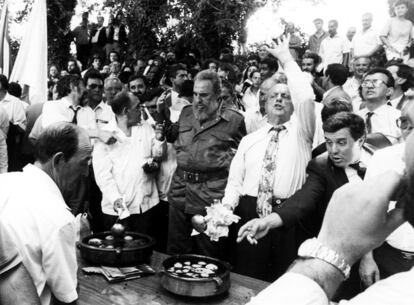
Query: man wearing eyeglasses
376, 87
396, 254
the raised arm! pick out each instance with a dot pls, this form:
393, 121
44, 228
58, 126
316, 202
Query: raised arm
301, 91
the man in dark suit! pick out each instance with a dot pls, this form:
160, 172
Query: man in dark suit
344, 134
335, 77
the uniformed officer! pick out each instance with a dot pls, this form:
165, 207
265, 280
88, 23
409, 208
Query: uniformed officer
207, 139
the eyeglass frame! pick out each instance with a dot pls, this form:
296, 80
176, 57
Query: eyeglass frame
372, 82
401, 123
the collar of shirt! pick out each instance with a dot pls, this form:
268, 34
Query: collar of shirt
101, 105
335, 36
287, 126
329, 92
39, 177
320, 35
383, 109
394, 102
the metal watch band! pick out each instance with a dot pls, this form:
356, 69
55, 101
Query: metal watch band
313, 248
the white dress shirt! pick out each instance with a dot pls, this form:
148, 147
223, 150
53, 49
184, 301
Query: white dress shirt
61, 111
250, 99
294, 149
384, 120
14, 108
391, 158
395, 101
43, 229
332, 50
319, 136
254, 119
118, 169
297, 289
364, 42
9, 255
105, 117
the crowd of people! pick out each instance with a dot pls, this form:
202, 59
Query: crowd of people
156, 140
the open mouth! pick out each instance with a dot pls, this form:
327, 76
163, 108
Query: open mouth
278, 107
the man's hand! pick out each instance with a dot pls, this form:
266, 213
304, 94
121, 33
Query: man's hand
356, 220
281, 49
253, 230
118, 205
199, 223
368, 270
151, 167
160, 131
108, 137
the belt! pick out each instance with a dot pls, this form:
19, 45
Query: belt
199, 177
277, 202
405, 254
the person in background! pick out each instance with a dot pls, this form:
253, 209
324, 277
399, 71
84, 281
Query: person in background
310, 62
334, 49
404, 80
396, 35
112, 86
81, 36
366, 43
125, 171
98, 37
251, 96
335, 77
53, 74
376, 88
350, 33
256, 118
361, 65
316, 39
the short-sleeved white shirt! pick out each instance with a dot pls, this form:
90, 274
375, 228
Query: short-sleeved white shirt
43, 229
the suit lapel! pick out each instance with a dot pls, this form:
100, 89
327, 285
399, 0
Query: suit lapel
339, 176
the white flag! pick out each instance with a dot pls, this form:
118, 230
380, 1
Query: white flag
4, 40
30, 67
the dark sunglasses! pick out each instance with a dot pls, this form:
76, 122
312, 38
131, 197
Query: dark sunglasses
94, 86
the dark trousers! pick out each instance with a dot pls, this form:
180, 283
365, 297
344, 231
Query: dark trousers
82, 54
153, 223
273, 254
391, 261
180, 240
94, 199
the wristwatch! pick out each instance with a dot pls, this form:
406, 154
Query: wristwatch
313, 248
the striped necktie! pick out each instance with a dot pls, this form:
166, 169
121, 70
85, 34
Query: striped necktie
368, 122
75, 114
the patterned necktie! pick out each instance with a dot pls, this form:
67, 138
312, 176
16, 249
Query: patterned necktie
368, 122
265, 192
360, 169
75, 114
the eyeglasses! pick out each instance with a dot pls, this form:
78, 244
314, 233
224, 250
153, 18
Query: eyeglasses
372, 83
404, 124
94, 86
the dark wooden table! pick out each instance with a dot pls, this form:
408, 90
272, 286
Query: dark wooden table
94, 289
